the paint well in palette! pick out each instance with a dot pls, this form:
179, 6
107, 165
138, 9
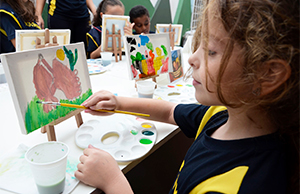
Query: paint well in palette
148, 133
174, 94
146, 126
110, 138
145, 141
133, 132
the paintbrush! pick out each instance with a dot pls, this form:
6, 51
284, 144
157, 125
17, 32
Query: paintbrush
100, 110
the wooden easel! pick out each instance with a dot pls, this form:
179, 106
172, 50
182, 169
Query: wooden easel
171, 35
38, 43
49, 128
116, 49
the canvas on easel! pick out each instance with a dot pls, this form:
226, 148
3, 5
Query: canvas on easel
177, 28
58, 74
107, 24
148, 55
177, 66
27, 39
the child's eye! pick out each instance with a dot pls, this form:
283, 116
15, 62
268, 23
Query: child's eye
211, 53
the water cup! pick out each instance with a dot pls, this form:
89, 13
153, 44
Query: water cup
48, 163
145, 89
106, 58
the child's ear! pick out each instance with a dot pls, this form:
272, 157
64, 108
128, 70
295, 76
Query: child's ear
101, 14
274, 73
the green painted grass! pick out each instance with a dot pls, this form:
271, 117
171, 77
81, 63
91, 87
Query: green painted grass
35, 117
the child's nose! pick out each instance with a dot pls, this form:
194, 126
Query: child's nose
194, 61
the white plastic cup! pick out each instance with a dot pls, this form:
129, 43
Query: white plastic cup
106, 58
145, 88
48, 163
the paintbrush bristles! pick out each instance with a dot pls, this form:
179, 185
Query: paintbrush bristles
49, 103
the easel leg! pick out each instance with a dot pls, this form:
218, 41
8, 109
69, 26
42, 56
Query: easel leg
78, 118
50, 132
43, 129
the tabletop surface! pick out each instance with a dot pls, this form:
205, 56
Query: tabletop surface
115, 79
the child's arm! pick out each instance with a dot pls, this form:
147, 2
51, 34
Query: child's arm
38, 12
96, 53
90, 4
13, 41
158, 110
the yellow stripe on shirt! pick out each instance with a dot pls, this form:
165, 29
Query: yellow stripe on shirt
228, 182
90, 36
52, 7
209, 113
12, 15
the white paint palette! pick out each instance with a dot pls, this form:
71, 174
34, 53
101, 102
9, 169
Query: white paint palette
177, 92
123, 136
95, 66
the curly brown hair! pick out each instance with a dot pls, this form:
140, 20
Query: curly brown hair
25, 10
266, 30
97, 21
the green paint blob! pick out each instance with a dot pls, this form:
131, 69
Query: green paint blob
189, 85
132, 58
149, 45
165, 50
133, 132
139, 56
70, 56
148, 133
145, 141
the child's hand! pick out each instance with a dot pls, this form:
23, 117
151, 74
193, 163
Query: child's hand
99, 169
40, 21
100, 100
128, 28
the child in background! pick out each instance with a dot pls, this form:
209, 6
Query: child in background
110, 7
139, 15
245, 69
15, 15
67, 14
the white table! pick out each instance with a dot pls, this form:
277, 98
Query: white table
115, 80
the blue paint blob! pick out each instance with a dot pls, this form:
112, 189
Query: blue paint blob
144, 39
